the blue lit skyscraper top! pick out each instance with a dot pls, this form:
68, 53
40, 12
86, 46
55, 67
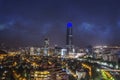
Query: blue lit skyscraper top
69, 24
69, 37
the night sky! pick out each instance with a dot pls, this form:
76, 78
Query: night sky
28, 22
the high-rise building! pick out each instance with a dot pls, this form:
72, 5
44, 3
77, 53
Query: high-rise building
46, 46
69, 37
46, 42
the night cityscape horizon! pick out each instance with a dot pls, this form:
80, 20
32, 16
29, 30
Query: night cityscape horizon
27, 23
59, 40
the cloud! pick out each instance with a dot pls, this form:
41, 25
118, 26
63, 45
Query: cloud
6, 25
2, 27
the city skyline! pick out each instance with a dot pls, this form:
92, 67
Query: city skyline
28, 23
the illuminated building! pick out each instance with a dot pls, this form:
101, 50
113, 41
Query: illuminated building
46, 46
46, 42
63, 52
32, 51
38, 51
69, 38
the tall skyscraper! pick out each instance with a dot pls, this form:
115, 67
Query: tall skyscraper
69, 37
